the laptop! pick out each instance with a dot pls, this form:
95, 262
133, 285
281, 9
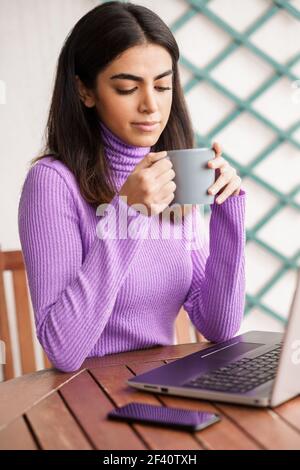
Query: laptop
257, 368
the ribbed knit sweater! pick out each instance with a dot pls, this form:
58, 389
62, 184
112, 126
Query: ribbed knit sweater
94, 295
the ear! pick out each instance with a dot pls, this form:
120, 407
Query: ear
86, 95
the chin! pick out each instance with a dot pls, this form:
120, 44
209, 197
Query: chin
145, 140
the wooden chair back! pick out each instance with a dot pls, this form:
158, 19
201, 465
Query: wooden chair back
185, 330
13, 261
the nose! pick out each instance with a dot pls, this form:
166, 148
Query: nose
149, 102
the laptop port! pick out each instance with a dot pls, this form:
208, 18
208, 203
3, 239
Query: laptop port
164, 389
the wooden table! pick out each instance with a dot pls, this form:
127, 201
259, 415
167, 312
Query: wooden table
53, 410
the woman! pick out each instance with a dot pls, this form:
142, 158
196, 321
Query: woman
96, 295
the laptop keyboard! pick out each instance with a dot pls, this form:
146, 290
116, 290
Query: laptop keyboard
242, 375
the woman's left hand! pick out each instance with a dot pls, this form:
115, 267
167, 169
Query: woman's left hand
226, 177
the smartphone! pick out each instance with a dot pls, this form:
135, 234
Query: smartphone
190, 420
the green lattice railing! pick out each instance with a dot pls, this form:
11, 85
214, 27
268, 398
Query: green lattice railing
247, 171
238, 39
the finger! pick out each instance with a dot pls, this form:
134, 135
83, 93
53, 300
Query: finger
160, 167
222, 181
156, 208
237, 192
167, 189
166, 177
168, 199
217, 162
217, 148
150, 159
229, 190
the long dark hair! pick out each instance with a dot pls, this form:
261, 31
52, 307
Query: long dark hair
72, 131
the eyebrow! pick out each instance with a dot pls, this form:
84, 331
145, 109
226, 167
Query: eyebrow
128, 76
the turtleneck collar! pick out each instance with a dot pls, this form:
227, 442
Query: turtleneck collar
122, 157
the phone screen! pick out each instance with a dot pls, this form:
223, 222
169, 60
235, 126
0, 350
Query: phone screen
190, 420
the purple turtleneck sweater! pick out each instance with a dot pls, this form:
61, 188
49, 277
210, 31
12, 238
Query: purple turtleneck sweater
94, 295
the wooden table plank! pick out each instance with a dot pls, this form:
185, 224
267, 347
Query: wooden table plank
17, 436
290, 411
158, 353
264, 425
20, 394
113, 380
55, 427
90, 405
223, 435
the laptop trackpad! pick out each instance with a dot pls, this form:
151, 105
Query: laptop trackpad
231, 351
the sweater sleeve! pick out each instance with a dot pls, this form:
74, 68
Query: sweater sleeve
72, 299
215, 301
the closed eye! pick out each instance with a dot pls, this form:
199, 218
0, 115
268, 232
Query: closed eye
127, 92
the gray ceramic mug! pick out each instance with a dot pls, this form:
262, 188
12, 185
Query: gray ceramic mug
193, 177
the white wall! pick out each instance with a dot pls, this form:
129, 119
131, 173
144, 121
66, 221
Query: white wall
31, 35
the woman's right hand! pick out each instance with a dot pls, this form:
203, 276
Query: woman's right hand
151, 183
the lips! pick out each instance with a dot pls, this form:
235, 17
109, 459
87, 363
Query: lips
146, 123
146, 126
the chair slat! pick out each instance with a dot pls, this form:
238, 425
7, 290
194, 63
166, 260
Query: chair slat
47, 363
23, 321
8, 367
13, 261
182, 327
199, 337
